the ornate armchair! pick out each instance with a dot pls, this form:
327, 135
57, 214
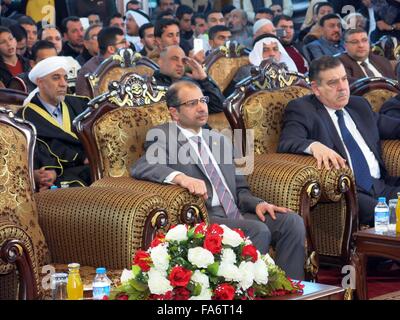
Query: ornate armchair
12, 99
115, 67
223, 63
387, 47
93, 226
258, 104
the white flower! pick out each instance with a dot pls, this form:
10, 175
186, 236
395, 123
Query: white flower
230, 237
126, 275
228, 256
246, 270
179, 233
205, 294
260, 272
201, 279
158, 283
200, 257
229, 271
160, 257
268, 260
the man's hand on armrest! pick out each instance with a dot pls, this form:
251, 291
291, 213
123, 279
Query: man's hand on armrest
194, 186
326, 156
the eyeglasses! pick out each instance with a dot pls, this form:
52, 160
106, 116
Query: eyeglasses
193, 103
363, 41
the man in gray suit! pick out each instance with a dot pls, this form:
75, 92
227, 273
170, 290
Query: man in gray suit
183, 153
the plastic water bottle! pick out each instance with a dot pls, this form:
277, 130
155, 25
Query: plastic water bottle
381, 216
101, 284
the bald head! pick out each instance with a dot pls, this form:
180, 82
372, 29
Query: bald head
171, 62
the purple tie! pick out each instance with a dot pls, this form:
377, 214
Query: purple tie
225, 198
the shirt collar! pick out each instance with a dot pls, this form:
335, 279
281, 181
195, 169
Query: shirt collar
189, 133
49, 107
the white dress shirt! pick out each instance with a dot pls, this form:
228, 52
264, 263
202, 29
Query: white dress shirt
189, 134
373, 163
371, 67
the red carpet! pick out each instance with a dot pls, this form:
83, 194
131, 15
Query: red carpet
379, 282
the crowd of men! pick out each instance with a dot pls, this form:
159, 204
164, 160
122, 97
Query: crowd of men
332, 47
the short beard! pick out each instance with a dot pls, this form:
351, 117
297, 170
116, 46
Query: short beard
60, 99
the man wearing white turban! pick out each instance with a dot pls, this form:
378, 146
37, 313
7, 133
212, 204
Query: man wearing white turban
134, 20
59, 155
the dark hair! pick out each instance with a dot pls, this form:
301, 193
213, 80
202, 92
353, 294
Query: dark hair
160, 25
351, 31
4, 29
212, 32
265, 10
116, 15
64, 23
277, 19
143, 28
162, 14
26, 20
319, 5
321, 64
182, 10
39, 45
48, 26
328, 16
197, 16
212, 11
171, 97
131, 2
227, 9
106, 37
18, 32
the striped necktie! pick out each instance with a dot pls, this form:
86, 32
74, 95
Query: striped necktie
225, 198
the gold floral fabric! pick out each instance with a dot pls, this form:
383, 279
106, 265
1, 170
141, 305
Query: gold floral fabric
224, 69
16, 196
120, 136
378, 97
263, 112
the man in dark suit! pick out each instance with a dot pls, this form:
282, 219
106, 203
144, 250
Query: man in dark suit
359, 62
202, 161
339, 129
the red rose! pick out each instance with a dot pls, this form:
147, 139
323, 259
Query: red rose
240, 232
123, 297
159, 238
200, 228
215, 229
251, 293
181, 294
250, 251
213, 243
166, 296
143, 260
224, 291
179, 277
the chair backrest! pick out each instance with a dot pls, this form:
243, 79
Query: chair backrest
17, 83
223, 63
115, 67
114, 127
12, 99
375, 90
259, 101
17, 142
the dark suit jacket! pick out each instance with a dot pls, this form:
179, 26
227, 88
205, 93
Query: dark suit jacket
306, 120
169, 142
391, 107
355, 72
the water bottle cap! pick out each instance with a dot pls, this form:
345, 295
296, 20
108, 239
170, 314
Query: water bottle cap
382, 199
101, 270
53, 187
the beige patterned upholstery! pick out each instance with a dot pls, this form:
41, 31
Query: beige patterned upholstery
92, 226
378, 97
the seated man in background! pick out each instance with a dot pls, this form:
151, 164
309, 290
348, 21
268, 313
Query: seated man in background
358, 60
173, 63
59, 156
339, 130
217, 36
187, 159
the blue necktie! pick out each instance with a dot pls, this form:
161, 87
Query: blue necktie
360, 165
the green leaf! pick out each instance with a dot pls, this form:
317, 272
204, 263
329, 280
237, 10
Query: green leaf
136, 270
137, 285
190, 233
213, 268
197, 289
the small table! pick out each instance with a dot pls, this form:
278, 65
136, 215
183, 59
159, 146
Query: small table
314, 291
370, 243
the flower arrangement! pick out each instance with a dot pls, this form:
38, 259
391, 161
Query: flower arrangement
203, 263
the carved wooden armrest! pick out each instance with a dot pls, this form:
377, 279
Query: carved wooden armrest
99, 226
182, 206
